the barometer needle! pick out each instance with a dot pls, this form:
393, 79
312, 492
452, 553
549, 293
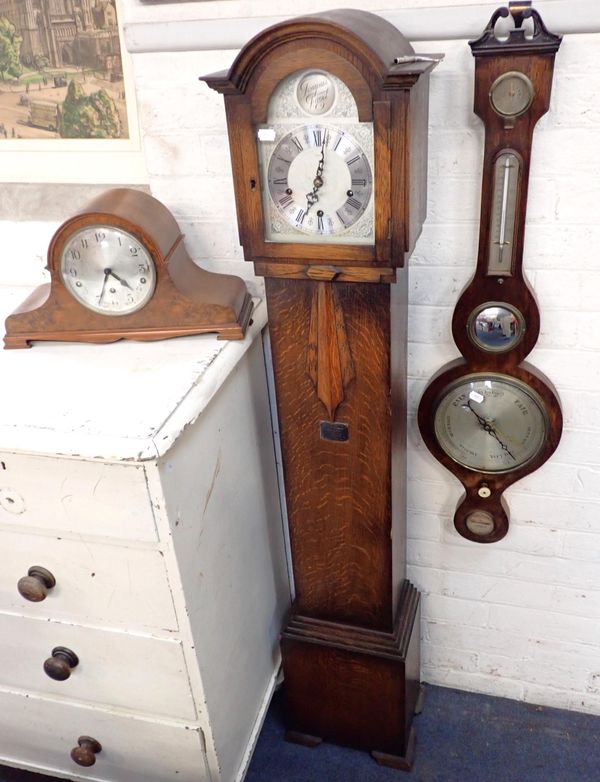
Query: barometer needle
489, 429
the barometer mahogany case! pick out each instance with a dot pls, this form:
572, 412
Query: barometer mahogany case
327, 121
490, 417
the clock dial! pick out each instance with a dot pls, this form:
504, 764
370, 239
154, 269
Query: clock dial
319, 180
317, 162
490, 423
107, 270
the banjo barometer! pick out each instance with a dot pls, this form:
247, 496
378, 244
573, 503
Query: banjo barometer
327, 121
489, 417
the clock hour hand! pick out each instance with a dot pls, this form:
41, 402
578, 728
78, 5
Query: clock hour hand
119, 279
489, 429
312, 197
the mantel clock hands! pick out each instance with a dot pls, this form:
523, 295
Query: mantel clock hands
119, 269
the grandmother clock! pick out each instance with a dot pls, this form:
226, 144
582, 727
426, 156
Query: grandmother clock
327, 120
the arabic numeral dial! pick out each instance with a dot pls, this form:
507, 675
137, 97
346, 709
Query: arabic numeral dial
107, 270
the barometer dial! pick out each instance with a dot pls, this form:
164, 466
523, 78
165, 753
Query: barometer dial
490, 423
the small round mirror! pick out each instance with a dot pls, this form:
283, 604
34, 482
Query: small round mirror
496, 327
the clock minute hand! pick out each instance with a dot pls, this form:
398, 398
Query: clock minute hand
312, 197
489, 429
107, 273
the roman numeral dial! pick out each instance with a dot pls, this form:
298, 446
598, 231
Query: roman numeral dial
319, 181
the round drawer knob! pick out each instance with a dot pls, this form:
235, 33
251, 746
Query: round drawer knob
85, 753
60, 665
36, 584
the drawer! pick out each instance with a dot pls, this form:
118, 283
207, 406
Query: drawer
132, 672
95, 582
89, 498
40, 734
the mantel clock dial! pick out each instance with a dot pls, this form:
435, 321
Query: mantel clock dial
107, 270
489, 417
328, 138
119, 270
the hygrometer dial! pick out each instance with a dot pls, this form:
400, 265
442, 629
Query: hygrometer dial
511, 94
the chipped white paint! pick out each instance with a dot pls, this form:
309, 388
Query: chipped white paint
168, 385
143, 478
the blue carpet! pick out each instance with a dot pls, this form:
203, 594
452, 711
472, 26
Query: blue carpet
461, 737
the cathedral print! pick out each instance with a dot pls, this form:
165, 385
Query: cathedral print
61, 72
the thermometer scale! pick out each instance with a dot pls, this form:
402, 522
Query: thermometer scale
504, 212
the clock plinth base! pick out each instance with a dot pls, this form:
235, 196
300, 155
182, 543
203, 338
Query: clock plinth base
303, 739
352, 685
36, 320
399, 762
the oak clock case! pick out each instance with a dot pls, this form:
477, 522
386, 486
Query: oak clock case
119, 270
328, 139
490, 417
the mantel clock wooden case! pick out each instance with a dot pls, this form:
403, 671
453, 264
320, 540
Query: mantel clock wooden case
490, 417
119, 269
327, 120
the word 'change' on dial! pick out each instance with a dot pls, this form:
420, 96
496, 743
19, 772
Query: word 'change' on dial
490, 423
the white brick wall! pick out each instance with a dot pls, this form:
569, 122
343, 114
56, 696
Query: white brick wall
519, 618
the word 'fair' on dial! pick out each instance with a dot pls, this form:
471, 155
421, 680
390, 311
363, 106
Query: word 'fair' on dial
320, 179
490, 423
108, 270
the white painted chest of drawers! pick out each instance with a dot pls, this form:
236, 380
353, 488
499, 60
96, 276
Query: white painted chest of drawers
142, 477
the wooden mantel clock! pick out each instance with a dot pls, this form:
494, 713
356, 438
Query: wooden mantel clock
489, 417
327, 120
119, 269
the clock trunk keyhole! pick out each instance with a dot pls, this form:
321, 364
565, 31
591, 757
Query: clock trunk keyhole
253, 184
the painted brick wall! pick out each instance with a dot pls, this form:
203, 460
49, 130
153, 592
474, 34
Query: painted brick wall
519, 618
